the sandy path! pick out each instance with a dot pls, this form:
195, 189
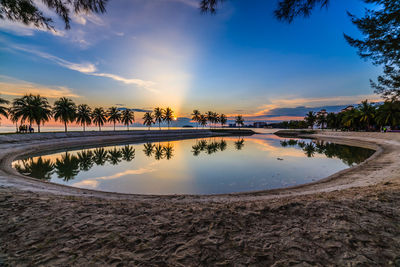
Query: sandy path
314, 224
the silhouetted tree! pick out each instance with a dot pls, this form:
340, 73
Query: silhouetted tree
222, 119
168, 115
128, 117
196, 116
83, 115
114, 115
4, 110
310, 118
158, 116
32, 108
99, 117
148, 119
64, 110
239, 120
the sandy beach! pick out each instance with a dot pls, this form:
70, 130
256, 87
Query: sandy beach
350, 218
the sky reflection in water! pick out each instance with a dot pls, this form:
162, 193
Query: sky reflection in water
195, 166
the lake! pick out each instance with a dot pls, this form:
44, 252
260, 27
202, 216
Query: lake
195, 166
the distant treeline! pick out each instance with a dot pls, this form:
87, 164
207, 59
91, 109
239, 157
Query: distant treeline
366, 116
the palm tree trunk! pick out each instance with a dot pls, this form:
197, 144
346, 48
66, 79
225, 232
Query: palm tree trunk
84, 128
99, 128
38, 126
114, 126
65, 125
159, 125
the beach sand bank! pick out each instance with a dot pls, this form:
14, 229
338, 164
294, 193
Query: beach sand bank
349, 218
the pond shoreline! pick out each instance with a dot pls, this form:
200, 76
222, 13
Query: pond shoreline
350, 217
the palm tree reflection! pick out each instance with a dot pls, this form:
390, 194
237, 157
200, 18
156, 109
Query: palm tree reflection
100, 156
169, 150
114, 156
67, 167
148, 149
348, 154
85, 158
159, 152
128, 153
40, 169
309, 150
239, 144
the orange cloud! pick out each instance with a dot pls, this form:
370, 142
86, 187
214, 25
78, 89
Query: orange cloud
13, 87
309, 102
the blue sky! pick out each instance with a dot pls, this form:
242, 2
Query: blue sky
147, 53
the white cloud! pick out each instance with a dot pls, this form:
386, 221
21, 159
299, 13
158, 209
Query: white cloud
191, 3
89, 69
21, 29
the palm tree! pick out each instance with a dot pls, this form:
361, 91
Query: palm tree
216, 118
367, 113
351, 118
158, 116
331, 120
14, 117
321, 120
32, 109
196, 116
128, 117
83, 115
203, 120
148, 119
239, 121
389, 113
99, 117
310, 118
168, 115
210, 117
222, 120
4, 110
65, 111
114, 115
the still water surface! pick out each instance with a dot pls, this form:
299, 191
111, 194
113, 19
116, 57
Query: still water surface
195, 166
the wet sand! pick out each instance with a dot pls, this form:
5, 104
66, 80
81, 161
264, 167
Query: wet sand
349, 218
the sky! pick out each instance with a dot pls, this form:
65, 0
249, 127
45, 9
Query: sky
147, 53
